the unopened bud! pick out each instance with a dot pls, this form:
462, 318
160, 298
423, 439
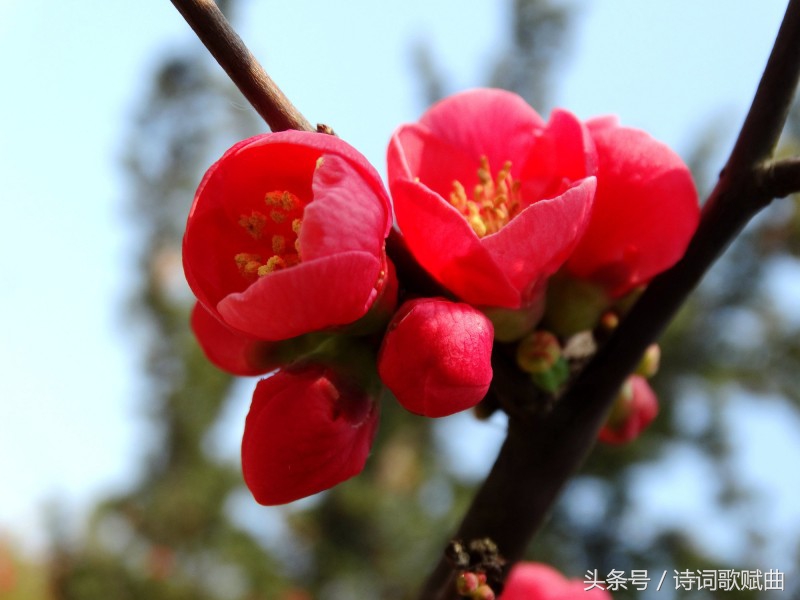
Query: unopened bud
649, 364
538, 352
609, 321
467, 582
484, 592
634, 409
540, 355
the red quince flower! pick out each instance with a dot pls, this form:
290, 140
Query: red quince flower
535, 581
634, 409
645, 211
436, 356
286, 236
308, 429
490, 199
230, 350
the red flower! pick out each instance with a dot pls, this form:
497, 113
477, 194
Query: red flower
634, 409
230, 350
307, 430
436, 356
286, 235
645, 211
534, 581
491, 199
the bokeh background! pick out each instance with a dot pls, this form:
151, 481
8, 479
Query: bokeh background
119, 473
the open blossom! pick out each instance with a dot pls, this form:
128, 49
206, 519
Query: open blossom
535, 581
634, 409
308, 429
286, 236
436, 356
645, 211
490, 199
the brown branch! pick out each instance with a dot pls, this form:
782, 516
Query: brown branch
780, 178
227, 48
541, 452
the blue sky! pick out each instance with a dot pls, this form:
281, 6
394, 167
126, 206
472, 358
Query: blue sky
70, 426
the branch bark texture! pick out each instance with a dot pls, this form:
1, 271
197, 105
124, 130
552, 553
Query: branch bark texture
214, 30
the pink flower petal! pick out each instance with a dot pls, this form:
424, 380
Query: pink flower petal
230, 350
307, 430
563, 153
311, 296
536, 581
487, 122
645, 213
538, 241
344, 215
446, 246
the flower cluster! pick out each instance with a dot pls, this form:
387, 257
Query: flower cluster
535, 231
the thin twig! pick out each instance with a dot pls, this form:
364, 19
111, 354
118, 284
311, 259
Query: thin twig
781, 177
227, 48
541, 453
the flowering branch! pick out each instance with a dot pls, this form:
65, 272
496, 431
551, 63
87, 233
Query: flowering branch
544, 449
541, 452
214, 30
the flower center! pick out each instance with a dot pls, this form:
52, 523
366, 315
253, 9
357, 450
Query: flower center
494, 202
279, 229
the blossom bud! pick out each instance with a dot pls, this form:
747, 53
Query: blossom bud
308, 429
466, 583
436, 356
649, 364
633, 410
540, 355
484, 592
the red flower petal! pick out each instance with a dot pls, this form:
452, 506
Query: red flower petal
337, 221
355, 216
538, 241
436, 356
311, 296
563, 153
446, 246
484, 122
230, 350
307, 430
645, 212
535, 581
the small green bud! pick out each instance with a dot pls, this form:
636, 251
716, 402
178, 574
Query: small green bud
540, 355
650, 362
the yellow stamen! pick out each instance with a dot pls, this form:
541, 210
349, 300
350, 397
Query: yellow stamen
493, 203
278, 244
254, 224
275, 263
280, 230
